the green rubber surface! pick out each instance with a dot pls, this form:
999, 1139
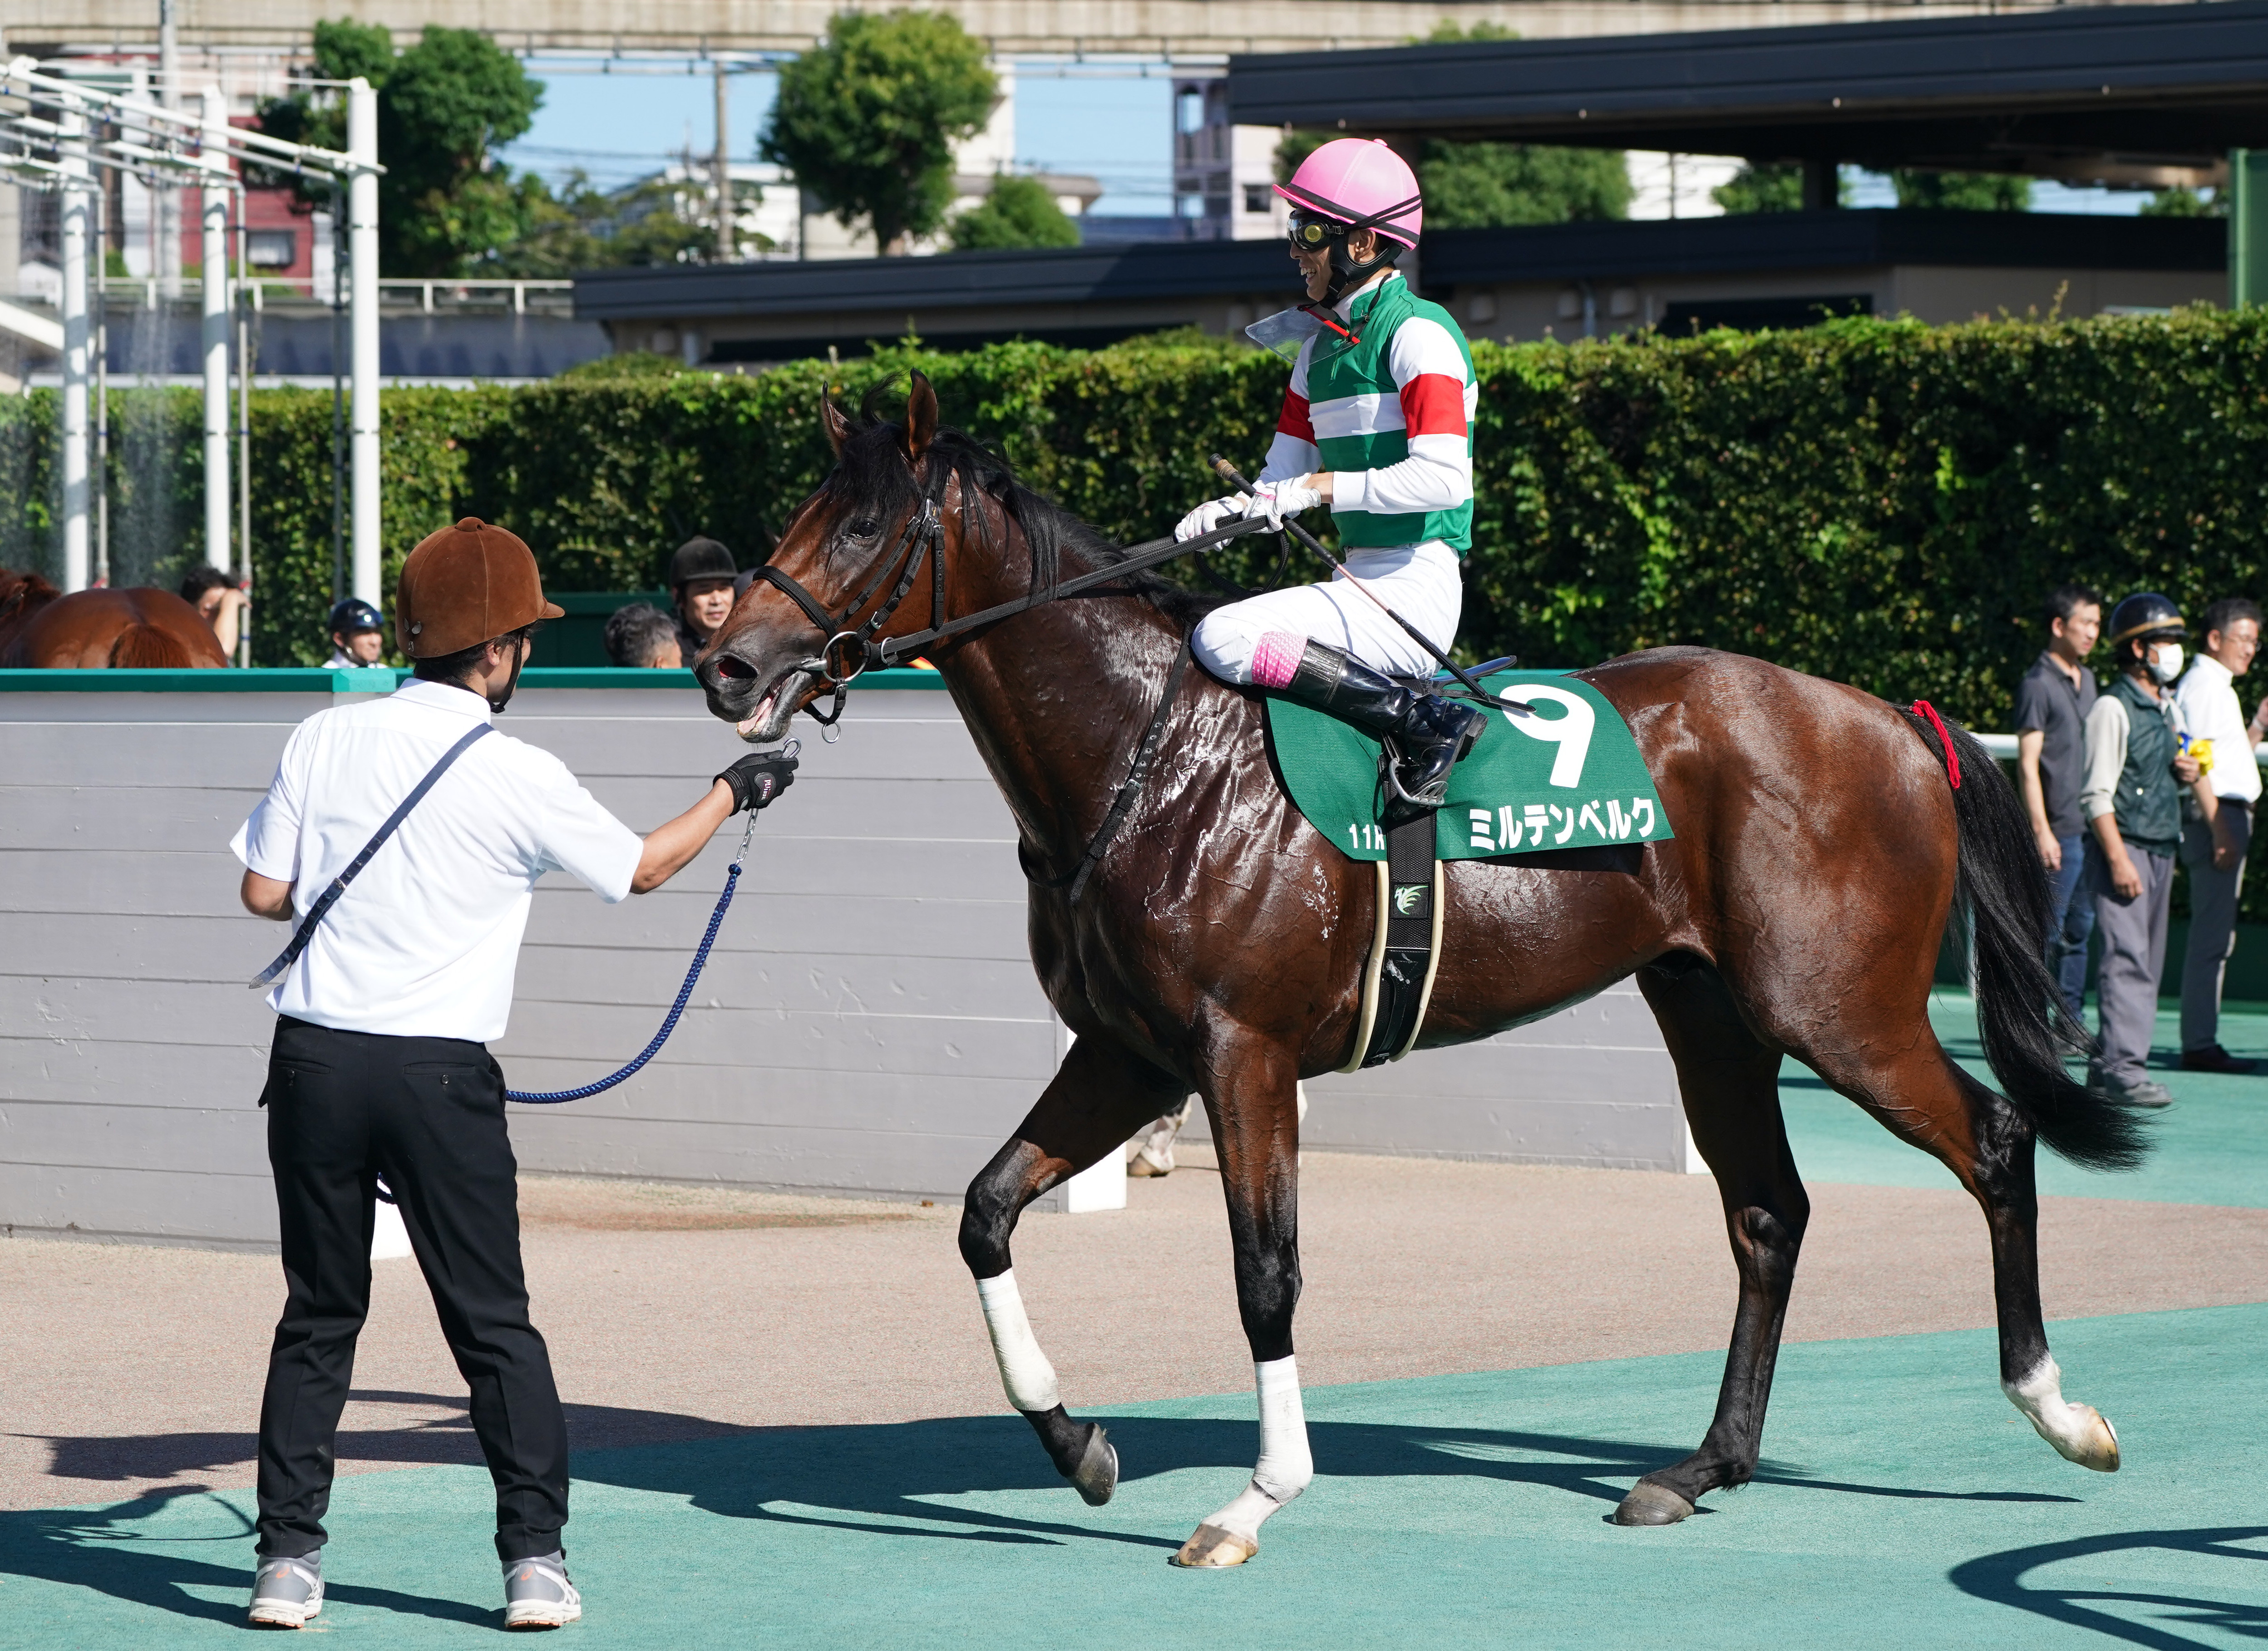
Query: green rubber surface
1901, 1502
2211, 1143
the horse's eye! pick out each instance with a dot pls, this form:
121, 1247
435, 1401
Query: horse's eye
864, 529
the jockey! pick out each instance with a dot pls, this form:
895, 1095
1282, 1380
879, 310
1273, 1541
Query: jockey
1377, 425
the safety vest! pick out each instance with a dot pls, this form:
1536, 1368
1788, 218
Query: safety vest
1361, 417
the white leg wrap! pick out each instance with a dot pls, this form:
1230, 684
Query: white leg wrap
1285, 1466
2077, 1432
1025, 1372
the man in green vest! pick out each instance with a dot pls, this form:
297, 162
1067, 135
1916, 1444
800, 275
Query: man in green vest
1377, 425
2132, 801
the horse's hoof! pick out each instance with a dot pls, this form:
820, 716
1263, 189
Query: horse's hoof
2092, 1443
1652, 1504
1096, 1476
1139, 1165
1213, 1548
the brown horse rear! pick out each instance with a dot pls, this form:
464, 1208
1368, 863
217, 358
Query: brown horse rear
129, 630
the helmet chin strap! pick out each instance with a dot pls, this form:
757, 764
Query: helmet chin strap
497, 702
1347, 274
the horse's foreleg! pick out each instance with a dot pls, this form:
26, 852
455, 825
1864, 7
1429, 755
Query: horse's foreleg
1251, 1095
1729, 1081
1099, 1096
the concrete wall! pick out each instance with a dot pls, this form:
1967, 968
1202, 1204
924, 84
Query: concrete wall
869, 1021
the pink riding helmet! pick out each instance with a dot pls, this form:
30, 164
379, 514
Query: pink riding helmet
1354, 178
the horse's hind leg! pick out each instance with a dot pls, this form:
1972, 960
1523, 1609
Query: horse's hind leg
1729, 1080
1924, 1099
1101, 1095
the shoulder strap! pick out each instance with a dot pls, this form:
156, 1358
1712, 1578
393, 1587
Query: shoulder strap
330, 896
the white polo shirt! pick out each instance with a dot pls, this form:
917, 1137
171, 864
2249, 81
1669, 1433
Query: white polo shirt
425, 939
2210, 710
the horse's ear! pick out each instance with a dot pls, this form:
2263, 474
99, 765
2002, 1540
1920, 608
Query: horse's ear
837, 427
921, 417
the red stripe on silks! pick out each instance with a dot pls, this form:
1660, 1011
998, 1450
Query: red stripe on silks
1923, 707
1295, 420
1434, 404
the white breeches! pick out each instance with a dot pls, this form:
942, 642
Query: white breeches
1418, 581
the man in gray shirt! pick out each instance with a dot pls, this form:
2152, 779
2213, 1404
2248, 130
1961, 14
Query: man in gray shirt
2052, 705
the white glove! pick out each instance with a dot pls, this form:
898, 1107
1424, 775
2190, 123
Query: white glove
1208, 516
1276, 500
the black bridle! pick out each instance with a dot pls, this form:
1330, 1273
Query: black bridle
848, 651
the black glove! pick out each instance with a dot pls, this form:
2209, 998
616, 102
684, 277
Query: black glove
758, 779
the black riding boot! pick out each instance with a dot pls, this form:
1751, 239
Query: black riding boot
1425, 734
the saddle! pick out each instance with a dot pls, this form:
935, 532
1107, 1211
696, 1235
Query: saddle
1552, 788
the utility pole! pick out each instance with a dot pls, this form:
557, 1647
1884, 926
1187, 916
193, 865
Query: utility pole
362, 323
727, 247
76, 211
167, 196
213, 200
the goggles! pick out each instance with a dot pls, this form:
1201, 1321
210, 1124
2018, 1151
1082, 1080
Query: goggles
1311, 230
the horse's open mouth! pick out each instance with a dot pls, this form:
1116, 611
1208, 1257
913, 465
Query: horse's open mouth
757, 728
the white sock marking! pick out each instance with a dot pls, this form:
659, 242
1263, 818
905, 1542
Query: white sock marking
1285, 1465
1025, 1375
2069, 1427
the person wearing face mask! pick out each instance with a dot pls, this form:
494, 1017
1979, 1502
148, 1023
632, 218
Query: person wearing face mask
2132, 799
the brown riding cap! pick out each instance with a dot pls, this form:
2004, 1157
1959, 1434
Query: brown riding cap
465, 586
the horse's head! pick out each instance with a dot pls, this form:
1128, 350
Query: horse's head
858, 560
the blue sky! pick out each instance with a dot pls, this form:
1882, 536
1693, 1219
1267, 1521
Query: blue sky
618, 127
1115, 125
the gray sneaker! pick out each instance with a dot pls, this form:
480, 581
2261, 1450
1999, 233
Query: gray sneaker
538, 1595
288, 1593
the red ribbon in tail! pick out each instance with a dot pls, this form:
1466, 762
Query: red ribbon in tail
1923, 707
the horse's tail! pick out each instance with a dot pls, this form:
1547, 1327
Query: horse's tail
146, 648
2002, 907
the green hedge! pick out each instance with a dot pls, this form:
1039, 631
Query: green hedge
1876, 501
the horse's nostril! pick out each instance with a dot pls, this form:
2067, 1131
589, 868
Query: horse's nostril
741, 670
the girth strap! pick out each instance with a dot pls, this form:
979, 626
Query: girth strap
1122, 805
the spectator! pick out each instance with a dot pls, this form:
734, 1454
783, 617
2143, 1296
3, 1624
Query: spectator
643, 636
701, 576
357, 636
220, 603
2213, 850
2052, 705
2132, 799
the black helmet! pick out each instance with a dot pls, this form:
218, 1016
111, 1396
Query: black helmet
2147, 616
354, 615
700, 559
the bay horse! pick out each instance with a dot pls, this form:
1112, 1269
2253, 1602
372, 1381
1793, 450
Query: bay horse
143, 629
1821, 850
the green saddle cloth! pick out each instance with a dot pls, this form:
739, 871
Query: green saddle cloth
1567, 776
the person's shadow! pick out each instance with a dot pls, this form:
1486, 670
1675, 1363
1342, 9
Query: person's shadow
2001, 1577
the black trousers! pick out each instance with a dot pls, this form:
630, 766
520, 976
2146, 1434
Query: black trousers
427, 1114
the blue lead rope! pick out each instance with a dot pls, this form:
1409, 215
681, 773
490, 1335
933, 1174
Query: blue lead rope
684, 995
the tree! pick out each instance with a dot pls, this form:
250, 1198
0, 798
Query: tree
867, 120
1448, 33
1487, 186
1018, 212
1765, 187
1962, 191
2181, 202
443, 203
650, 223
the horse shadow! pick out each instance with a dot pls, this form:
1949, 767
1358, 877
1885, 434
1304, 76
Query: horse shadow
898, 1479
2000, 1578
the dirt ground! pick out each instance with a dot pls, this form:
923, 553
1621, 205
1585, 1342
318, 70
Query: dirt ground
679, 1312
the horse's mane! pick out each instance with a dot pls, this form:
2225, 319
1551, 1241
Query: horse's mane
23, 594
872, 469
